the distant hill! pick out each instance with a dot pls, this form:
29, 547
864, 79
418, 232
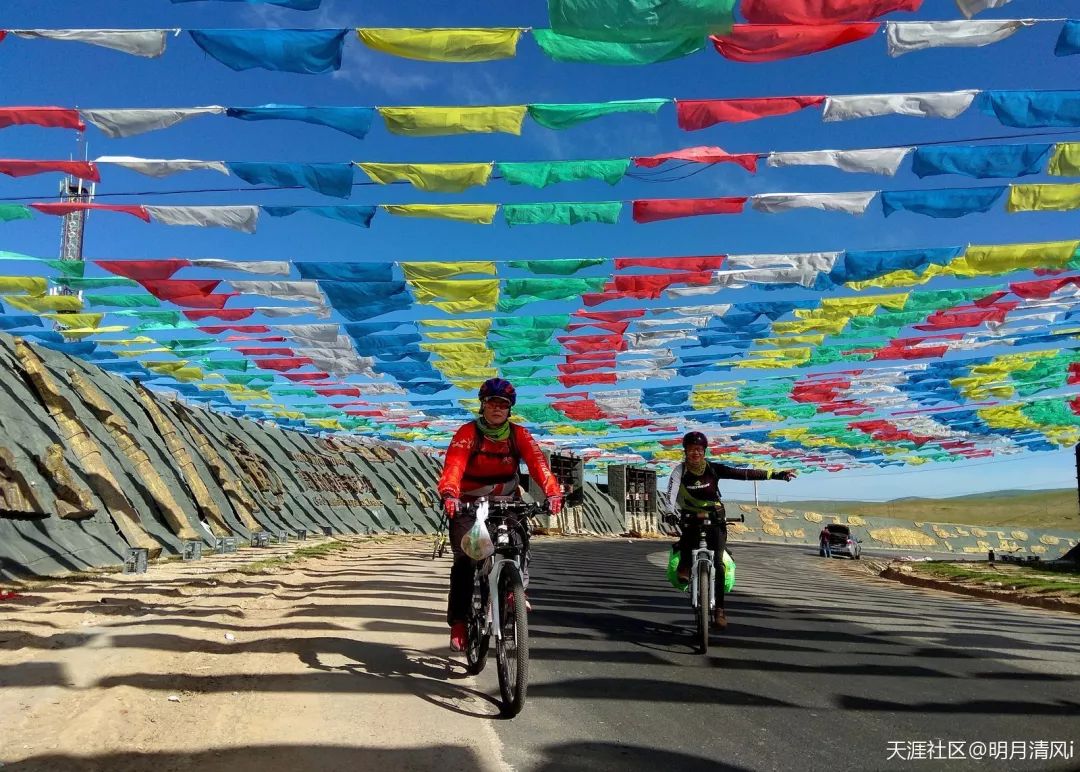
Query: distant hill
1056, 508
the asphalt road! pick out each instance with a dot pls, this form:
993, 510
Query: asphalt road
818, 670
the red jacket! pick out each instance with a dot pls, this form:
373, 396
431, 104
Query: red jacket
475, 464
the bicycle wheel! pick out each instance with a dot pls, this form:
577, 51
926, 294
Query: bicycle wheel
477, 638
703, 610
512, 649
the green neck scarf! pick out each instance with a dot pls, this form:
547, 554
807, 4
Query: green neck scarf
495, 433
698, 468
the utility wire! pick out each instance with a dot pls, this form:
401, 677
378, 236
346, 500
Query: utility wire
659, 175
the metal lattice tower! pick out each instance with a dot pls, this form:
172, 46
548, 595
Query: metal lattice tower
73, 224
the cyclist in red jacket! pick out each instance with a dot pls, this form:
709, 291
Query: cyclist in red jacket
483, 461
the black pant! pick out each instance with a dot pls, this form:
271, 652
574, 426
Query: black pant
463, 570
716, 540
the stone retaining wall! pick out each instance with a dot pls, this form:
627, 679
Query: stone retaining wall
92, 464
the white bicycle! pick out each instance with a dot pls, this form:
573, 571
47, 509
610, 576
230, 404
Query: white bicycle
500, 577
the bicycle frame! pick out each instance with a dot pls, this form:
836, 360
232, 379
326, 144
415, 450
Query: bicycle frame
703, 561
508, 556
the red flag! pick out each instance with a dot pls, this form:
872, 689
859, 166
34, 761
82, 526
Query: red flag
253, 351
773, 42
582, 379
655, 209
689, 263
84, 170
192, 293
966, 316
650, 286
144, 269
1043, 288
818, 391
819, 12
75, 206
283, 364
701, 155
49, 117
581, 343
616, 327
225, 314
611, 316
298, 377
579, 409
338, 391
167, 289
694, 114
248, 328
584, 367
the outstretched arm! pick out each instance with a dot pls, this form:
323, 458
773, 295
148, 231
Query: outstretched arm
457, 458
536, 463
726, 472
673, 488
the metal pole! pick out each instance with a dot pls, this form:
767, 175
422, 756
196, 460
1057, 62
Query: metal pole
1077, 451
755, 481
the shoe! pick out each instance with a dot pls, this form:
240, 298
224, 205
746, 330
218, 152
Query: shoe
458, 634
683, 574
719, 619
510, 602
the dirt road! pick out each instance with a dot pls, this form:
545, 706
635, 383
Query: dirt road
330, 663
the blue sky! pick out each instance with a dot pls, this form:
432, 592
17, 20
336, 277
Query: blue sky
65, 74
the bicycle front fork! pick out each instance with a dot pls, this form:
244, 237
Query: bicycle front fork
703, 564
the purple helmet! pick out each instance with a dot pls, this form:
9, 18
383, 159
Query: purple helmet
498, 387
694, 438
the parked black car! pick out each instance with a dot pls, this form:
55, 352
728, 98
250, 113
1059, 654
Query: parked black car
841, 542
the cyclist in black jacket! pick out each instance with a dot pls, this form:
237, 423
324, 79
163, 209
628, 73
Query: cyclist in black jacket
694, 487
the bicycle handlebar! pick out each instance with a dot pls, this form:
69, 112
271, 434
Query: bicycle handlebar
685, 517
507, 508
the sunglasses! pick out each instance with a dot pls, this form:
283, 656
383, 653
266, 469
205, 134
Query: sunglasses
497, 402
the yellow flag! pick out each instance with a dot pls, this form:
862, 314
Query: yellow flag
45, 303
31, 285
828, 326
84, 332
137, 341
325, 423
902, 278
437, 121
713, 399
443, 45
477, 327
1006, 417
789, 357
1015, 257
1066, 160
457, 296
436, 270
478, 214
792, 341
758, 414
435, 178
140, 352
453, 335
76, 320
1044, 198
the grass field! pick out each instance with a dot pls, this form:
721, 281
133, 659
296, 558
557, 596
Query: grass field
1010, 577
1056, 509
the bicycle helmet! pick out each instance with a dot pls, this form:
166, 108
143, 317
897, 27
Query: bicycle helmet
498, 387
694, 438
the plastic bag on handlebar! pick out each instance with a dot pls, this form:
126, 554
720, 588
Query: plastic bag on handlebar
673, 569
477, 542
729, 573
